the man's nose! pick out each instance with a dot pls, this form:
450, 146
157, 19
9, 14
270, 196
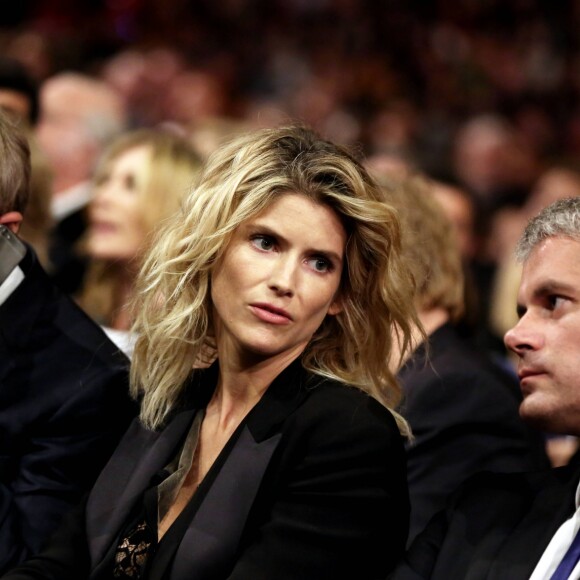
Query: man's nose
523, 336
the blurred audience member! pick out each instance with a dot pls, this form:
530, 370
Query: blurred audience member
556, 182
493, 161
138, 183
79, 116
460, 208
19, 96
18, 90
63, 385
208, 133
462, 408
142, 77
37, 225
394, 164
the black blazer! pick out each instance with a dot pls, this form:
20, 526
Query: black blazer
495, 528
463, 410
311, 486
68, 265
63, 408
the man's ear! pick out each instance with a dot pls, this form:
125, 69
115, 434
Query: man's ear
11, 220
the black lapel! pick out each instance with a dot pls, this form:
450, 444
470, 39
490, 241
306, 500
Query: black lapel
219, 510
554, 503
210, 543
140, 455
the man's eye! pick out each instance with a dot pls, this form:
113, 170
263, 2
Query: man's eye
555, 301
264, 243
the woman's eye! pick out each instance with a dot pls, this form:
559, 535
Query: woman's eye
130, 183
320, 264
264, 243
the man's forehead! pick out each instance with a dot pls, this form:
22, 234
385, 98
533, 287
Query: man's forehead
553, 262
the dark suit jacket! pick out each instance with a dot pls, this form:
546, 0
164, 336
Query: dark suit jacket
496, 527
63, 408
463, 410
68, 267
311, 486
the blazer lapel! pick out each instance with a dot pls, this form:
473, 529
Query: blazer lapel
554, 503
140, 455
210, 543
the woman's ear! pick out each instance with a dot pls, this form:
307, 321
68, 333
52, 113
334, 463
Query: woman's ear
335, 307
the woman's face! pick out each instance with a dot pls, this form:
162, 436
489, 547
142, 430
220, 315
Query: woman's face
278, 279
116, 226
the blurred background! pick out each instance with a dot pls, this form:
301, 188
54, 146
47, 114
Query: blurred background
481, 95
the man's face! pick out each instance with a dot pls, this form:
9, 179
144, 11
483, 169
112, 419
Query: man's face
547, 337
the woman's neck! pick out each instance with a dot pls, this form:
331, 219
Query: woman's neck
243, 381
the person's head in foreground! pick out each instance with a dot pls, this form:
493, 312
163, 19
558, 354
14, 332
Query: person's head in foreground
546, 339
285, 249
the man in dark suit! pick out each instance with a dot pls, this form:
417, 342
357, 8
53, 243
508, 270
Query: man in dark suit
516, 526
63, 385
461, 405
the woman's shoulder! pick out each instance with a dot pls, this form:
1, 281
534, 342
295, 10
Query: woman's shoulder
347, 408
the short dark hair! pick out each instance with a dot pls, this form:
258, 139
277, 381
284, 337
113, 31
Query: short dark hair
14, 166
14, 76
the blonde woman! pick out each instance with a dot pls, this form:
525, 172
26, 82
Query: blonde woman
138, 183
284, 459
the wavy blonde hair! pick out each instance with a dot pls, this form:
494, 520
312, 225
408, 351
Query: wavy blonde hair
173, 304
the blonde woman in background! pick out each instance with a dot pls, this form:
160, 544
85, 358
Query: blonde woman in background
138, 184
284, 459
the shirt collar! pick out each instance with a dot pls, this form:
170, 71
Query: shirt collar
70, 200
10, 284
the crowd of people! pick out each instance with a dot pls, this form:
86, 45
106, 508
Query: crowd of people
293, 295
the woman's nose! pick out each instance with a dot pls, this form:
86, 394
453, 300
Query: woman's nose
102, 193
282, 276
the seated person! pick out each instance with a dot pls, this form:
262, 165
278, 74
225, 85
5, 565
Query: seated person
461, 406
523, 525
64, 400
138, 184
284, 459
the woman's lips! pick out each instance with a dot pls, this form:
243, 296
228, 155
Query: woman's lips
102, 228
271, 314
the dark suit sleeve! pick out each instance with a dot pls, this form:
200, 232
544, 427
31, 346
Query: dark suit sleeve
66, 556
465, 420
59, 461
339, 509
64, 405
421, 559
